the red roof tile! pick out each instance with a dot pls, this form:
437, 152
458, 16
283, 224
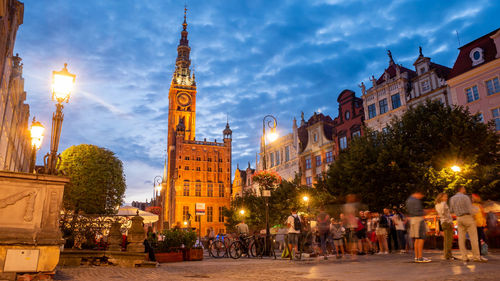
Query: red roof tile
464, 62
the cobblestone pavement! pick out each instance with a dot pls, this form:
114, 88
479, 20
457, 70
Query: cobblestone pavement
377, 267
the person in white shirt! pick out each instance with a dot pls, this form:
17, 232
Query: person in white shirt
446, 221
242, 228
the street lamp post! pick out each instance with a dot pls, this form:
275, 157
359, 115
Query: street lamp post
271, 124
36, 132
62, 85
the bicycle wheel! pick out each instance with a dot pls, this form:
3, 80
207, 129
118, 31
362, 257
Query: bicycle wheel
256, 248
236, 250
218, 249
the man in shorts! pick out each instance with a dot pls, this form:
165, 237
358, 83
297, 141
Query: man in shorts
337, 231
418, 228
293, 230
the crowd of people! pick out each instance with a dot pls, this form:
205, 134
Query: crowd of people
357, 232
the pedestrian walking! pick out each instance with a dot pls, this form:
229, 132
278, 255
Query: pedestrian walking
294, 225
399, 221
382, 231
446, 221
350, 209
461, 206
323, 230
361, 233
338, 231
392, 237
418, 228
480, 219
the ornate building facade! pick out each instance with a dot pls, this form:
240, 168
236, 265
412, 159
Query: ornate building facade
309, 150
198, 171
429, 83
282, 155
242, 182
15, 142
474, 79
399, 88
316, 147
321, 138
387, 96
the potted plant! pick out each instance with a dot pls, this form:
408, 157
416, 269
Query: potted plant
190, 251
169, 249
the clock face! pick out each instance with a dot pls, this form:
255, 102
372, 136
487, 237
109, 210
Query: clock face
183, 99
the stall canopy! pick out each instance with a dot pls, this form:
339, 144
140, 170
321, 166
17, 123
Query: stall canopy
491, 206
129, 211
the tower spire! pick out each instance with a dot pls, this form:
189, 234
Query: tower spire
184, 25
182, 74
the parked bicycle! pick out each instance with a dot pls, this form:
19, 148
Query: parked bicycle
219, 247
248, 245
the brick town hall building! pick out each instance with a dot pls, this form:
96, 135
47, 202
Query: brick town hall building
198, 171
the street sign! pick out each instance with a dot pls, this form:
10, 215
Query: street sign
200, 209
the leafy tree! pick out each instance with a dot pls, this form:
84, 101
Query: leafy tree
97, 183
417, 151
283, 198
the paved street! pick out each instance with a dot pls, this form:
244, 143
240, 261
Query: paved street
387, 267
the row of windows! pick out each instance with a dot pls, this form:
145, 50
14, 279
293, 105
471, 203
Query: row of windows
276, 156
197, 190
328, 159
383, 106
209, 169
209, 159
492, 87
209, 214
309, 179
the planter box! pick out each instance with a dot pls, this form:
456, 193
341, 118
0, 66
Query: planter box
192, 254
168, 257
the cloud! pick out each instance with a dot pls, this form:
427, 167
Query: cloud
251, 58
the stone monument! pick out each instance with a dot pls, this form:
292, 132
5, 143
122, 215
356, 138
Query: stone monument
30, 238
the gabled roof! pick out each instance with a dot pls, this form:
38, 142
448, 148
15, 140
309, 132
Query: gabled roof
464, 62
391, 70
441, 70
317, 117
243, 175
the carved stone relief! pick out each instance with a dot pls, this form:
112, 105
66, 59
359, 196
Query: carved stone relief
12, 199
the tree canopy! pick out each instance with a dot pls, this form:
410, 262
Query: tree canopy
287, 195
416, 152
97, 183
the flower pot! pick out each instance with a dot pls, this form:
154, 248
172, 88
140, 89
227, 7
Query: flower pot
193, 254
168, 257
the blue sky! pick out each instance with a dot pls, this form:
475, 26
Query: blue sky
251, 58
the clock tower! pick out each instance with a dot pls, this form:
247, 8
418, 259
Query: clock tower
198, 172
182, 94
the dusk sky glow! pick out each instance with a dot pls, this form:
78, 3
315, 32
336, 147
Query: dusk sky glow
251, 58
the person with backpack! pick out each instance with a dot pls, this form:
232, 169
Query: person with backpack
294, 225
323, 230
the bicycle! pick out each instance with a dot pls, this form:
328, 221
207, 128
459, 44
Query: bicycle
219, 247
244, 245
